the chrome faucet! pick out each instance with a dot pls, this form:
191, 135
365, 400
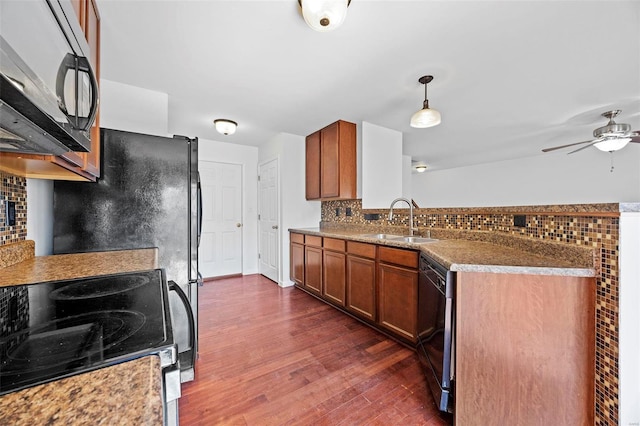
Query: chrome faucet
393, 203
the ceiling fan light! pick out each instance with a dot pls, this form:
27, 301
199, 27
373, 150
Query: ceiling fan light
225, 127
612, 144
324, 15
426, 117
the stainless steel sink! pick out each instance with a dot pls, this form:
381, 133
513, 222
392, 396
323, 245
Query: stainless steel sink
412, 239
381, 236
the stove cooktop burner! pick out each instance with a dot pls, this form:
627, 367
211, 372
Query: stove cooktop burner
69, 339
67, 327
87, 289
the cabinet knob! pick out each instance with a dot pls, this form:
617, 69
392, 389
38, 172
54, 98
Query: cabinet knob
274, 227
238, 225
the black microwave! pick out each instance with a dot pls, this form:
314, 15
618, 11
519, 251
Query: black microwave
48, 90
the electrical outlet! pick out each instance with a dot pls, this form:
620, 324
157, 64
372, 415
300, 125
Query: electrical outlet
10, 213
520, 220
348, 211
338, 211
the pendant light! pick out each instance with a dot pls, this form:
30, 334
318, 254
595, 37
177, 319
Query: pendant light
426, 117
224, 126
324, 15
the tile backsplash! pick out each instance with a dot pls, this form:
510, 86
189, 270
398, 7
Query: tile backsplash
593, 225
13, 188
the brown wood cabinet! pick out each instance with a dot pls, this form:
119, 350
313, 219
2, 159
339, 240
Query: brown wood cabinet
361, 279
313, 264
331, 162
296, 258
79, 166
398, 291
524, 349
335, 271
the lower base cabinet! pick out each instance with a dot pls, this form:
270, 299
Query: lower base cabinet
361, 287
398, 293
334, 286
313, 269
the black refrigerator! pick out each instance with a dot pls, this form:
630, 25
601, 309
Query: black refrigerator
148, 195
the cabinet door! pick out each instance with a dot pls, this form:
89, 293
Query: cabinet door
398, 292
92, 33
313, 166
335, 272
361, 286
297, 263
313, 269
330, 161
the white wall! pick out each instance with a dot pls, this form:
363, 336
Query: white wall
295, 211
381, 166
40, 215
247, 156
406, 177
552, 178
130, 108
629, 386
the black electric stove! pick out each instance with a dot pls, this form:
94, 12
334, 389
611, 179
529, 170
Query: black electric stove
57, 329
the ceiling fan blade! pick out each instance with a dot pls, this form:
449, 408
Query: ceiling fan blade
593, 142
564, 146
635, 137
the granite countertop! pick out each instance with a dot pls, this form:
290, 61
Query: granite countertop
127, 393
68, 266
462, 252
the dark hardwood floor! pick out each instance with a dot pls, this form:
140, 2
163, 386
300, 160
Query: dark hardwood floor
277, 356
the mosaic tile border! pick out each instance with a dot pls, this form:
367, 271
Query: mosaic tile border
594, 226
13, 188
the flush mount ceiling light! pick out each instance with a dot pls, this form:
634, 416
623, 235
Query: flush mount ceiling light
224, 126
420, 168
426, 117
324, 15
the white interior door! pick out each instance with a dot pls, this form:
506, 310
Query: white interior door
269, 219
220, 250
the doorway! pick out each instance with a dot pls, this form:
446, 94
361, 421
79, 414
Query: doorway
269, 219
221, 241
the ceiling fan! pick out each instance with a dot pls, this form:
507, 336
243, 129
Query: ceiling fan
609, 138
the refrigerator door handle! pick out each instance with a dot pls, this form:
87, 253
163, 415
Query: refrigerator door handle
200, 280
190, 317
199, 209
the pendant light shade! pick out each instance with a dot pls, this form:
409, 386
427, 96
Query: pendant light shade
324, 15
426, 117
224, 126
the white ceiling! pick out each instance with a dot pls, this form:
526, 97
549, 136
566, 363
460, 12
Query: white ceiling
510, 77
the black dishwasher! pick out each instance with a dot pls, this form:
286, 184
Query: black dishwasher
435, 345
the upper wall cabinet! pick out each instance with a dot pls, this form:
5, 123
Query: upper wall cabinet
81, 166
331, 162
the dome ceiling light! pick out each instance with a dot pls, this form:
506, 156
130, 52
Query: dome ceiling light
426, 117
225, 127
324, 15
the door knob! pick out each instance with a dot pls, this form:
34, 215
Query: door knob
238, 225
274, 227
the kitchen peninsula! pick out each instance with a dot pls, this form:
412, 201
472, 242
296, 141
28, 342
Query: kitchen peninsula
517, 305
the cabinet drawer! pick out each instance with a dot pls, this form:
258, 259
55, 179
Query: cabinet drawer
334, 244
312, 240
297, 238
408, 258
361, 249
